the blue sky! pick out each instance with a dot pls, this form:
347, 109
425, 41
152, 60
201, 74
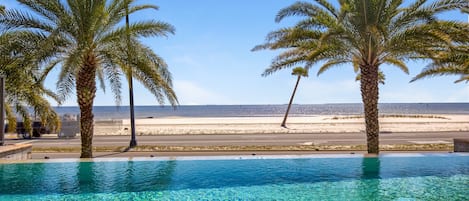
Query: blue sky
211, 62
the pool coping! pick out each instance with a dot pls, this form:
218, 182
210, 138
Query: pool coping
232, 157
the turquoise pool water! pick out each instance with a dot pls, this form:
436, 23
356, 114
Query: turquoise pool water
323, 177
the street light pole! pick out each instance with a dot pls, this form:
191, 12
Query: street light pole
133, 141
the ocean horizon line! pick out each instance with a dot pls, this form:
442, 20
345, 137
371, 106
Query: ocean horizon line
273, 104
149, 111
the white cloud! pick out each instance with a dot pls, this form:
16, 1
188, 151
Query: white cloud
186, 60
190, 93
409, 95
316, 91
460, 95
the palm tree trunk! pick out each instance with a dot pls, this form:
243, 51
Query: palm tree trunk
284, 122
86, 91
11, 117
370, 94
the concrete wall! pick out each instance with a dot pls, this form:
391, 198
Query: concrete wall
461, 145
69, 129
16, 152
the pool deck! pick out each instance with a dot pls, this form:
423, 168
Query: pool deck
206, 153
15, 152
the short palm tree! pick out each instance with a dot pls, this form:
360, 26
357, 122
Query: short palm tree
367, 34
299, 72
88, 40
22, 88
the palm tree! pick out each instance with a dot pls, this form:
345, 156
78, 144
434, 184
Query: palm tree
367, 34
300, 72
381, 77
89, 44
22, 86
450, 61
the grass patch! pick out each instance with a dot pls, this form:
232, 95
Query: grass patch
391, 116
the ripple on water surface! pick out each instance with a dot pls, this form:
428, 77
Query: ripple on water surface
428, 177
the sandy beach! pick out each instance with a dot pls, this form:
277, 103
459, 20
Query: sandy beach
259, 125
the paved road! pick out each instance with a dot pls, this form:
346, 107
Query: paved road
254, 139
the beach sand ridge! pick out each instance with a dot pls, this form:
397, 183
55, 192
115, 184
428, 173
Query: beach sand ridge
260, 125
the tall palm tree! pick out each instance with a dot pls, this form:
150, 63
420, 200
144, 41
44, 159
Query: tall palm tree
89, 44
367, 34
299, 72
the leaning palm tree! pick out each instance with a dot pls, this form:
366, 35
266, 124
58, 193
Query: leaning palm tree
89, 44
299, 72
367, 34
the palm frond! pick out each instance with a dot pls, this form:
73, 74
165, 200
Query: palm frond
11, 118
438, 70
27, 122
142, 29
330, 64
15, 19
462, 79
398, 63
65, 83
303, 9
329, 7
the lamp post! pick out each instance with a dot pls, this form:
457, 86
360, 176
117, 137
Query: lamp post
133, 141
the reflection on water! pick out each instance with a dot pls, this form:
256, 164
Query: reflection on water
85, 177
369, 184
125, 176
371, 168
362, 178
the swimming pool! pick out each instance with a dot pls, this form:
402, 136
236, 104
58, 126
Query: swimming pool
317, 177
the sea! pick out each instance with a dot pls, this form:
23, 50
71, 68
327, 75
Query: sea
122, 112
